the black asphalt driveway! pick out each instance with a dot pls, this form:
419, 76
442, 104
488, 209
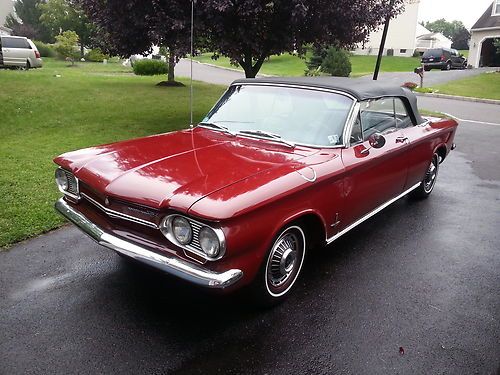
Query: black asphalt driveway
420, 276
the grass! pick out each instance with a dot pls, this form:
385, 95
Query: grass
44, 115
486, 86
291, 65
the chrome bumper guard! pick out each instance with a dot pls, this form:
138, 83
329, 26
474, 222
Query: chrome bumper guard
172, 265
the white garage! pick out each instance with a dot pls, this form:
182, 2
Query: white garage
485, 34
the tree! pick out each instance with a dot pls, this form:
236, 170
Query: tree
65, 45
336, 62
26, 20
249, 31
63, 15
455, 30
127, 27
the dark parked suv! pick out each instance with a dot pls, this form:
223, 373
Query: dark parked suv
444, 59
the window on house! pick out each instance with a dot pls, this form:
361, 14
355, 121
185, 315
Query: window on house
496, 8
402, 51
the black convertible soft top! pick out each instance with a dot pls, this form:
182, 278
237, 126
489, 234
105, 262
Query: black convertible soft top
361, 89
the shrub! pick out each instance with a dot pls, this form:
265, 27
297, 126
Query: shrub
66, 45
45, 49
147, 67
96, 55
410, 85
316, 59
336, 62
390, 52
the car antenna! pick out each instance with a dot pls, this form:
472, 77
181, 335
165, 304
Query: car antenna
191, 69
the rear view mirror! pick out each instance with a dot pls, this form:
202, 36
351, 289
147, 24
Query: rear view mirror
376, 140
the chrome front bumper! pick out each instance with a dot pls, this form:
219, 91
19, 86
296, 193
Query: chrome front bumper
170, 264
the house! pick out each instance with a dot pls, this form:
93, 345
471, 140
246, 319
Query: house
401, 36
5, 31
482, 51
427, 39
6, 7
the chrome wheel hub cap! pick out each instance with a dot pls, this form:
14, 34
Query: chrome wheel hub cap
430, 176
283, 259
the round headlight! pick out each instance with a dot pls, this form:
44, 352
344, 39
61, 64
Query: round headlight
209, 242
62, 180
181, 229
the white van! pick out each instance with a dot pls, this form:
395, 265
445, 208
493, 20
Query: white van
18, 51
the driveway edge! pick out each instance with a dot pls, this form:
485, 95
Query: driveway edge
462, 98
230, 69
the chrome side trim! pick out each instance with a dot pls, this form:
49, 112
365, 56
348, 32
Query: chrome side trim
118, 215
370, 214
175, 266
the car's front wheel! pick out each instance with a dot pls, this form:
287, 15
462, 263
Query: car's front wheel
427, 185
281, 267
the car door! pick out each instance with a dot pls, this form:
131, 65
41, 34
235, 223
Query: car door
420, 139
1, 52
373, 176
455, 59
15, 51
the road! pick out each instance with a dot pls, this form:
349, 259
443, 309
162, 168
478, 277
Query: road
203, 72
423, 276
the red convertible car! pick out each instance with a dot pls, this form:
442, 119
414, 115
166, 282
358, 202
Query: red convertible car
276, 168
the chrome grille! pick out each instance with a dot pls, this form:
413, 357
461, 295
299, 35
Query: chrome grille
72, 183
195, 242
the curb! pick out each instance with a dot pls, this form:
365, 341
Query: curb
461, 98
230, 69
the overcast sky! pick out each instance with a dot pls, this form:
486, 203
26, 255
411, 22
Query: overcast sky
467, 11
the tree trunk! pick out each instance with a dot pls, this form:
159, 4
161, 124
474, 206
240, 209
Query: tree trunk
171, 66
82, 51
251, 70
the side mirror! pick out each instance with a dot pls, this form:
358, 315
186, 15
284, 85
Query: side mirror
376, 140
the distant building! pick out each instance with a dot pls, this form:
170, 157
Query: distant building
5, 30
401, 36
6, 8
427, 39
482, 52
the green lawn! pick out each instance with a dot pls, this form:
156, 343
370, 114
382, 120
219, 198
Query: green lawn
486, 85
291, 65
44, 115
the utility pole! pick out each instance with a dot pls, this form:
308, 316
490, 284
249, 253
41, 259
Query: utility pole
382, 43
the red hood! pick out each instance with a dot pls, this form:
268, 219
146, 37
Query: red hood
176, 169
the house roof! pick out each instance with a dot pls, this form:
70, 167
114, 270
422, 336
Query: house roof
359, 88
487, 20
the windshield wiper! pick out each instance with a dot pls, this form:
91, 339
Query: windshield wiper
269, 135
217, 127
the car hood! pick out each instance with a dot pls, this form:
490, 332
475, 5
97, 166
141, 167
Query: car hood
177, 169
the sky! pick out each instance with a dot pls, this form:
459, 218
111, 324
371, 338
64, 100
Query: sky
467, 11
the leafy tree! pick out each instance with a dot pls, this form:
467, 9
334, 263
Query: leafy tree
26, 21
248, 31
455, 30
66, 45
63, 15
128, 27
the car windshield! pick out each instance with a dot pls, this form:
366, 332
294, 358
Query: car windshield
294, 115
433, 53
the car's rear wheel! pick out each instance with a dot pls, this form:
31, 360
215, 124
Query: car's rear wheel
281, 267
427, 185
28, 65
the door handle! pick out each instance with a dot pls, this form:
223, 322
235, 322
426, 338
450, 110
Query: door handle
401, 140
